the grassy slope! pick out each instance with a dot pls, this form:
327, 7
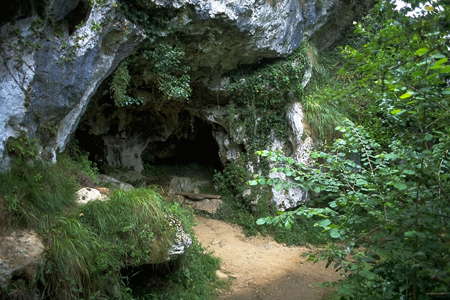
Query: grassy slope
88, 247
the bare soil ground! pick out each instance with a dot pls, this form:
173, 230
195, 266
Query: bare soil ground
261, 268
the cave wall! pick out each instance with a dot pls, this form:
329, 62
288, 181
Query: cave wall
49, 74
51, 67
58, 56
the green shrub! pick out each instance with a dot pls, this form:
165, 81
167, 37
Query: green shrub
88, 250
22, 147
382, 188
240, 210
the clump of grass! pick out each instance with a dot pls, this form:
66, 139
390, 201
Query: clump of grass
87, 247
322, 115
34, 191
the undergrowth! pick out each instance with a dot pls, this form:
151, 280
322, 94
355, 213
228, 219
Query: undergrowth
89, 246
244, 211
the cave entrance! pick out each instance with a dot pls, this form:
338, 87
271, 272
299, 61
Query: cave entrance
144, 146
198, 147
190, 152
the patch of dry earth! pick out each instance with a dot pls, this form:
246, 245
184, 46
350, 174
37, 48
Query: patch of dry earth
261, 268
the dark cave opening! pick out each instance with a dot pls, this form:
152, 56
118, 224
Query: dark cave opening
91, 145
198, 147
150, 277
190, 150
77, 16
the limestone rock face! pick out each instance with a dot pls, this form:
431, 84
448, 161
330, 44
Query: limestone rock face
300, 145
48, 73
182, 240
232, 141
226, 34
20, 254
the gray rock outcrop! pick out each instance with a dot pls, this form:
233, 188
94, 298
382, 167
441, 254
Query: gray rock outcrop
49, 71
226, 34
49, 74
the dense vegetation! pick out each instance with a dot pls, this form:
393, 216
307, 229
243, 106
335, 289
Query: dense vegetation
379, 182
381, 189
89, 248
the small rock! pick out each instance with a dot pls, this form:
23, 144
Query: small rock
181, 184
104, 190
208, 205
221, 275
115, 183
86, 195
20, 255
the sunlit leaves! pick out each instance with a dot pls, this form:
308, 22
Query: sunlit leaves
422, 51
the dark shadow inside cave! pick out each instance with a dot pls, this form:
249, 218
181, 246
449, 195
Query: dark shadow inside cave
193, 154
198, 147
92, 145
190, 150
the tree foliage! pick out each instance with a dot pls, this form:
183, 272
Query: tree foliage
381, 189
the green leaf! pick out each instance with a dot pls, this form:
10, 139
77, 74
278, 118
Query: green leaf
361, 182
422, 51
252, 182
409, 172
400, 186
439, 63
444, 69
396, 111
407, 95
317, 189
261, 221
410, 233
335, 234
324, 223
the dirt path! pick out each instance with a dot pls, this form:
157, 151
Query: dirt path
262, 269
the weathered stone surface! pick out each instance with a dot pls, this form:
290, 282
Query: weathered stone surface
233, 141
221, 275
114, 183
301, 145
20, 254
86, 195
210, 206
226, 34
182, 240
182, 184
48, 74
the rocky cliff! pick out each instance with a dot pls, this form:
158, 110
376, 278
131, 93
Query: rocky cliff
57, 56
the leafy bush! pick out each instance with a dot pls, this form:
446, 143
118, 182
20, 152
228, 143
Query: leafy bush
380, 191
245, 211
